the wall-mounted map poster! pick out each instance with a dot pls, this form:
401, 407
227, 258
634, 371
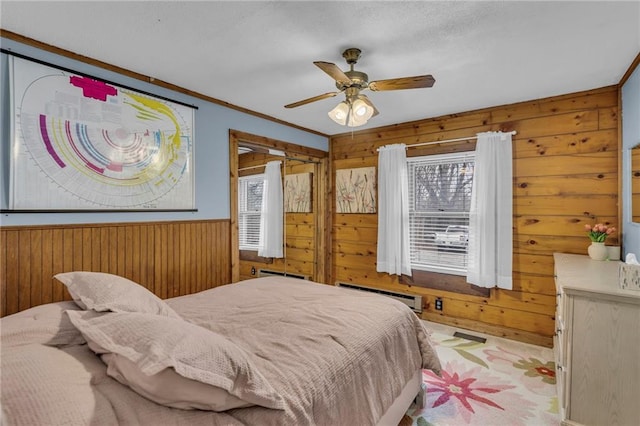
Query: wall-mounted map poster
85, 144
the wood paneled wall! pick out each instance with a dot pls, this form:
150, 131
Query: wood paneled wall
307, 235
301, 239
169, 258
565, 175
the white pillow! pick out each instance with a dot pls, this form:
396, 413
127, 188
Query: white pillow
102, 292
169, 388
171, 361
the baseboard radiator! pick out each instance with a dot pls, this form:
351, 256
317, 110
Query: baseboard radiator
270, 273
411, 300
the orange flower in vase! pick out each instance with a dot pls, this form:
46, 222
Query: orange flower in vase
598, 233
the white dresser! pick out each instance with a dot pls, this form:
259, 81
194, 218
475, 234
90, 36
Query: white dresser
597, 343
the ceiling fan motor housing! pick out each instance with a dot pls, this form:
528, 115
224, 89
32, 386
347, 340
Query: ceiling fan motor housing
358, 79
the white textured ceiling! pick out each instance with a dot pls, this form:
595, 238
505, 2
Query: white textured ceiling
259, 55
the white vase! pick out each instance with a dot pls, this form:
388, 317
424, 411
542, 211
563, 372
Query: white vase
597, 251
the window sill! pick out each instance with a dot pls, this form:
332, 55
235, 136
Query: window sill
446, 282
252, 256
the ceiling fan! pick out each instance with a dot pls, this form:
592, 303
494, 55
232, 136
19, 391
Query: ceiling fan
357, 109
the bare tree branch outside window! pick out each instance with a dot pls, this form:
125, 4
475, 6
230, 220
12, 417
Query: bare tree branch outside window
440, 197
443, 187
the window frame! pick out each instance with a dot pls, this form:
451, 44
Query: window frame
243, 213
441, 268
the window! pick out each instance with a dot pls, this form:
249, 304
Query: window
249, 210
439, 201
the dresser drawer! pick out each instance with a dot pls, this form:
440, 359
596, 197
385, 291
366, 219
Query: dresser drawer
561, 386
559, 341
560, 300
560, 338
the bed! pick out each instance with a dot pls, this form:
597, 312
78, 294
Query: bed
265, 351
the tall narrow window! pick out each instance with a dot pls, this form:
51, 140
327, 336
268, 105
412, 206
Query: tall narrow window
250, 190
439, 200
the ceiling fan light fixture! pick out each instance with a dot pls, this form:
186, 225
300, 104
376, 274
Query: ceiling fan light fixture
362, 110
355, 122
351, 114
340, 113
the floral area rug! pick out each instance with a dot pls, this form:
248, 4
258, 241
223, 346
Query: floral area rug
499, 382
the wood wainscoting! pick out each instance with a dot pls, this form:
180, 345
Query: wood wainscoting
168, 258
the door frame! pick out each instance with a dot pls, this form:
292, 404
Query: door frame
323, 240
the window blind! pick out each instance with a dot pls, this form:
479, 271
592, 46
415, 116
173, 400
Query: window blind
249, 210
439, 200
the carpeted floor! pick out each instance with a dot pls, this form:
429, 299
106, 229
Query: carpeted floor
500, 382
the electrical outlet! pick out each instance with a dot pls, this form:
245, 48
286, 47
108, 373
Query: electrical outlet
253, 270
438, 304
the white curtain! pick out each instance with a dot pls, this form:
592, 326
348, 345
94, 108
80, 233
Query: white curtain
490, 248
272, 218
393, 211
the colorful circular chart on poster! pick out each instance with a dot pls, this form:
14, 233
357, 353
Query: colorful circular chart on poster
82, 143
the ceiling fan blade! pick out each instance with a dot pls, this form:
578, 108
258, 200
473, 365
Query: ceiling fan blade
367, 101
417, 82
309, 100
332, 69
